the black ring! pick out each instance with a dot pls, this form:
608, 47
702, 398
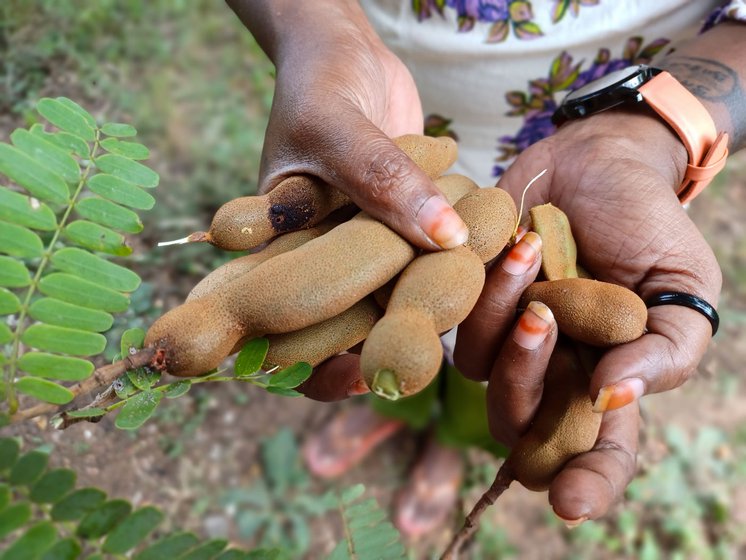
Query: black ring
690, 301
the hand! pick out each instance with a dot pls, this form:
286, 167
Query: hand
614, 175
339, 98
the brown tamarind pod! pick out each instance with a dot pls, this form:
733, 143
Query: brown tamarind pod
558, 251
303, 201
597, 313
564, 425
316, 343
435, 292
490, 214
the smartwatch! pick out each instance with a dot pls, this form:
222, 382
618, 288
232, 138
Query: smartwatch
677, 106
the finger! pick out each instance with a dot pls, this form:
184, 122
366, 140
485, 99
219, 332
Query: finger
357, 158
517, 378
481, 334
592, 482
335, 379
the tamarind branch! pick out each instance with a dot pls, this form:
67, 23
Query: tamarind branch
503, 479
101, 377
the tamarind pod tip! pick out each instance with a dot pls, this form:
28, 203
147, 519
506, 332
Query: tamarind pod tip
386, 385
182, 241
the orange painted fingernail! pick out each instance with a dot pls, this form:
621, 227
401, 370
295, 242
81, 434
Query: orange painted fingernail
572, 523
357, 387
442, 224
533, 326
523, 254
618, 395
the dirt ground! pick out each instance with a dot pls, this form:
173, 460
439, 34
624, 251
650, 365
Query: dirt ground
206, 444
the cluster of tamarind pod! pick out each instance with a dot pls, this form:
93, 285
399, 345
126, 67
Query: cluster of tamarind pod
320, 287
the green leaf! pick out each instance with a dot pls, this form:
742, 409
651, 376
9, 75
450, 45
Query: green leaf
131, 338
37, 180
9, 302
53, 486
128, 170
29, 468
19, 241
177, 389
103, 519
56, 312
66, 549
92, 267
64, 368
128, 534
79, 291
138, 409
282, 391
119, 129
131, 150
107, 213
4, 496
97, 238
64, 140
123, 387
33, 543
64, 117
77, 504
93, 412
168, 547
73, 342
251, 357
121, 191
6, 335
291, 376
9, 449
87, 117
14, 517
54, 158
25, 211
44, 390
143, 378
206, 551
12, 273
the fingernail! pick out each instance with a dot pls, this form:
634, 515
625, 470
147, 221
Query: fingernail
618, 395
357, 387
520, 232
523, 254
442, 224
572, 523
533, 326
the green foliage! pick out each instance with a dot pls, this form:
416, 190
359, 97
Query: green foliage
59, 288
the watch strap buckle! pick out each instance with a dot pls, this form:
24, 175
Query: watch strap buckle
697, 177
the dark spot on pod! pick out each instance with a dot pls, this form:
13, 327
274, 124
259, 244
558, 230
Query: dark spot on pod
284, 217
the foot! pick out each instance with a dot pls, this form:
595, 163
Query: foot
346, 440
430, 495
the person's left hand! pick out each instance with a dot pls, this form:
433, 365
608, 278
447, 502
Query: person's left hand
614, 175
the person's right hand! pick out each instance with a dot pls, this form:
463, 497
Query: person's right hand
339, 98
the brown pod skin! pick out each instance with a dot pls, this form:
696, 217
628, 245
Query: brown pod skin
559, 253
321, 341
435, 292
564, 426
241, 265
303, 201
597, 313
491, 216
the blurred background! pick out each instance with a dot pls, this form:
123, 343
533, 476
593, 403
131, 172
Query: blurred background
198, 89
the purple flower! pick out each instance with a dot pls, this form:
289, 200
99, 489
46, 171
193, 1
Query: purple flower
481, 10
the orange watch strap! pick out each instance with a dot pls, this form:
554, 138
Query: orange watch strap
706, 148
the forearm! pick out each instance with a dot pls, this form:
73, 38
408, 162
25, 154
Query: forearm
713, 67
285, 27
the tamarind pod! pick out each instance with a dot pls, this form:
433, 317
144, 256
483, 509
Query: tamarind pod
435, 292
316, 343
597, 313
491, 215
241, 265
559, 253
563, 427
457, 185
302, 201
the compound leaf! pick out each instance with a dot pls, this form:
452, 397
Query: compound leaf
64, 368
44, 390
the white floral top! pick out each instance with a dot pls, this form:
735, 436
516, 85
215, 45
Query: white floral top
493, 71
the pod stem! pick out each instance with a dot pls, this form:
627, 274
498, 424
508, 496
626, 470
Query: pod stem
196, 237
386, 385
523, 200
503, 479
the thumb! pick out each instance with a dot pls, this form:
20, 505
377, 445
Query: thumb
382, 180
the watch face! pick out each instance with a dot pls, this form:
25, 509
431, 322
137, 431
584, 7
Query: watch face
612, 80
